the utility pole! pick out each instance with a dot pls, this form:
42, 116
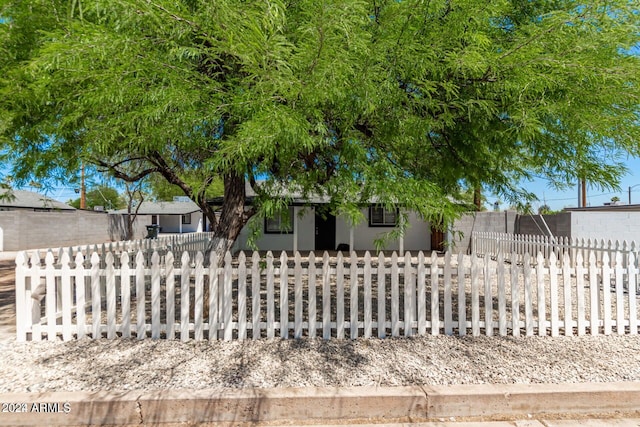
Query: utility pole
83, 190
584, 193
579, 194
630, 188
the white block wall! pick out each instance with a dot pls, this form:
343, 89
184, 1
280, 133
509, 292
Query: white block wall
606, 225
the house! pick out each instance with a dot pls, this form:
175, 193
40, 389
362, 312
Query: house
308, 226
23, 200
179, 216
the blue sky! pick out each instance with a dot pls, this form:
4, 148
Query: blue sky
595, 197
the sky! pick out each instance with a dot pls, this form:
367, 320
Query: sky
557, 200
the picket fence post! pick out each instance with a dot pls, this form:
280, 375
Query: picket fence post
462, 303
80, 295
632, 293
21, 300
140, 297
125, 295
368, 309
255, 295
242, 296
284, 296
353, 300
382, 297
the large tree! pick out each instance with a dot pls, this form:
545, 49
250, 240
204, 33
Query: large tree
409, 101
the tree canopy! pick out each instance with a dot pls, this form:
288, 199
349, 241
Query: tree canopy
409, 101
101, 195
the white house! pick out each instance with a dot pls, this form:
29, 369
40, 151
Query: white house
308, 226
181, 216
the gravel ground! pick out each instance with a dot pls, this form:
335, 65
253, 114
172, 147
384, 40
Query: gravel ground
92, 365
149, 365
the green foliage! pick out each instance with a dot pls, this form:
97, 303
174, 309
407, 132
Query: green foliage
546, 210
161, 190
105, 196
407, 101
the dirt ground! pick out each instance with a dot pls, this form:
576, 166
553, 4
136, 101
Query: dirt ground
7, 301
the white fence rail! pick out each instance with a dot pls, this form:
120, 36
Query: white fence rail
491, 243
256, 297
187, 242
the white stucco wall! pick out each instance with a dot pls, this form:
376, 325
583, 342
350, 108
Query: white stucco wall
277, 242
418, 236
606, 225
171, 223
306, 228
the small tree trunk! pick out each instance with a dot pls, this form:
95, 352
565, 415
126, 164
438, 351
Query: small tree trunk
131, 216
477, 198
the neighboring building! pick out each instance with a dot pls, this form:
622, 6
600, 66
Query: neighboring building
182, 216
30, 201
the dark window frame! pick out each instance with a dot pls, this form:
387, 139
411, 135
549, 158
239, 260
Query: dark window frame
186, 219
384, 212
270, 223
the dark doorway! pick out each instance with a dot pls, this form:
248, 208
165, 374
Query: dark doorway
437, 239
325, 232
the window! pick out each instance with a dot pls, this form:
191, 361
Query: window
381, 217
186, 219
154, 219
280, 223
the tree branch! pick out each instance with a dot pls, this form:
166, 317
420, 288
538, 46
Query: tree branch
165, 170
175, 17
113, 169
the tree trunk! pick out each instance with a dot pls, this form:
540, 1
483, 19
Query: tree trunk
233, 216
477, 198
131, 216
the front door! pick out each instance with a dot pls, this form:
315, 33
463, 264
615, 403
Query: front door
437, 239
325, 233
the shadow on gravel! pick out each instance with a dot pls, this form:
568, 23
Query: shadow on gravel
7, 300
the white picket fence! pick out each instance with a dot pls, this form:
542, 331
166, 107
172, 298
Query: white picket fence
187, 242
256, 297
492, 243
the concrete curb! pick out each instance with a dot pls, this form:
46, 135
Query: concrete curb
316, 405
